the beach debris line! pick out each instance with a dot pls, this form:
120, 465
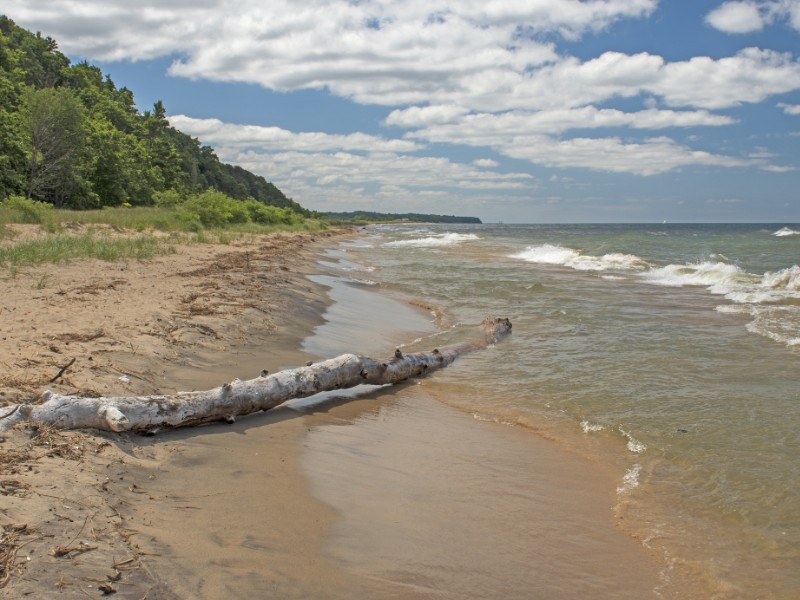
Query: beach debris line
149, 414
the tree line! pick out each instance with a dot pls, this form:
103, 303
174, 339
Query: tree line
71, 138
373, 217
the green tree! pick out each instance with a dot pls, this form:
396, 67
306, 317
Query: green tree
70, 137
54, 121
12, 137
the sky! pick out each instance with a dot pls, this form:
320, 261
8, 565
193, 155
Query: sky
534, 111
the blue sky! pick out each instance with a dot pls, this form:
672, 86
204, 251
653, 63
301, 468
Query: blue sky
514, 111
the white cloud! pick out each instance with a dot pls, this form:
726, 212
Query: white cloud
344, 181
649, 157
790, 109
473, 55
373, 51
473, 72
737, 17
422, 116
555, 121
751, 75
748, 16
385, 169
274, 138
307, 165
140, 29
486, 163
793, 12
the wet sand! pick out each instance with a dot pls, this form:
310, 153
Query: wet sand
389, 495
432, 503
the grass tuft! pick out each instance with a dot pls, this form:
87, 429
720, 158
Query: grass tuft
62, 247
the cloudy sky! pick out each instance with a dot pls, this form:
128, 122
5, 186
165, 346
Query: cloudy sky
509, 110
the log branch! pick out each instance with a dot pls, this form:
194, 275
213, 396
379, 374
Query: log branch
149, 414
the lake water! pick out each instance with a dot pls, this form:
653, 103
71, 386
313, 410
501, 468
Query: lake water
668, 353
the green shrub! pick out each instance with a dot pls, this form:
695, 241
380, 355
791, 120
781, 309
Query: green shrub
216, 209
185, 220
28, 210
264, 214
167, 199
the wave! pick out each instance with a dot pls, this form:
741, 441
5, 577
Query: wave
719, 277
785, 279
633, 444
589, 427
772, 299
434, 241
778, 323
630, 480
550, 254
785, 231
731, 281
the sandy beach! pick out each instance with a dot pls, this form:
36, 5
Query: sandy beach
389, 495
176, 322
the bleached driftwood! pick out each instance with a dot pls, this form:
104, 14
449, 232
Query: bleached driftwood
149, 414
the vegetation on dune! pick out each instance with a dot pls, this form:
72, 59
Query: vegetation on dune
74, 148
71, 138
207, 217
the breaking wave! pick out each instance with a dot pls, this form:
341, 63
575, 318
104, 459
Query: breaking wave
785, 231
550, 254
434, 241
719, 277
630, 480
716, 275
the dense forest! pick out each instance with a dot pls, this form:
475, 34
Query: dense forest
71, 138
376, 217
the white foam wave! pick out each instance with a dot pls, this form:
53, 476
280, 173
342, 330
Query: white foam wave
493, 419
717, 274
733, 309
778, 323
634, 445
785, 231
365, 282
785, 279
589, 427
630, 480
757, 326
772, 287
435, 241
550, 254
719, 277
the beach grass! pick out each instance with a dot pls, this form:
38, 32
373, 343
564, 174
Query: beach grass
64, 247
136, 232
143, 218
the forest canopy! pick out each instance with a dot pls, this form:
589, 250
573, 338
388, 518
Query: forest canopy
71, 138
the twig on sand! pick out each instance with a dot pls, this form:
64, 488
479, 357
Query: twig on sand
62, 370
81, 547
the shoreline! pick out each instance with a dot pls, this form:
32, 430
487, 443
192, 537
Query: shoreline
182, 321
248, 508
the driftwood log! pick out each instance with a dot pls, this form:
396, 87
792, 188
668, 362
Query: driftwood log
149, 414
